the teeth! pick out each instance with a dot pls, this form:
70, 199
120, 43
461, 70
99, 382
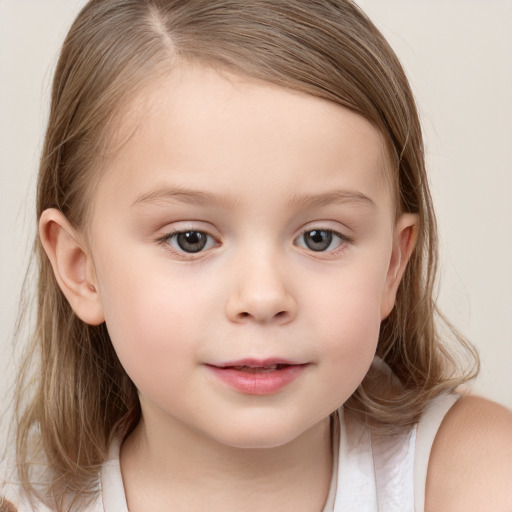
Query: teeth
258, 369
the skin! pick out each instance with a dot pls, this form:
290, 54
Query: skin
470, 466
252, 167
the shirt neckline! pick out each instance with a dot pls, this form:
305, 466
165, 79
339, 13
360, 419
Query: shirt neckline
114, 497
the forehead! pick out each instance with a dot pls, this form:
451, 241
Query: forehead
198, 128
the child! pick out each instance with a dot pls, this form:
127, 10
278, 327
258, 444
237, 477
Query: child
237, 256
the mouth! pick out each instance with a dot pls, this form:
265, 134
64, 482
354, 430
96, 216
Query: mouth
258, 365
259, 369
258, 377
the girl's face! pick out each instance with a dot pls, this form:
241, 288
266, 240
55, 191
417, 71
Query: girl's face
245, 252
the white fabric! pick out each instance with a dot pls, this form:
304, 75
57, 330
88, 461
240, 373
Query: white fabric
426, 432
386, 473
371, 473
113, 496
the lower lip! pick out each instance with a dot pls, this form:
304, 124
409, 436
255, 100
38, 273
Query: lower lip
258, 383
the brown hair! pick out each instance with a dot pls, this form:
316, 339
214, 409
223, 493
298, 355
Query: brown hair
80, 398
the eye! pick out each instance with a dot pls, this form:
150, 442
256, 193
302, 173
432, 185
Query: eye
320, 240
191, 241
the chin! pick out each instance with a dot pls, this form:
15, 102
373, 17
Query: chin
263, 434
257, 441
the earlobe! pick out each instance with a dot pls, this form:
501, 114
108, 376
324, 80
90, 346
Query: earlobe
404, 241
72, 266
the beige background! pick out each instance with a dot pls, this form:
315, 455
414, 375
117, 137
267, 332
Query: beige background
458, 56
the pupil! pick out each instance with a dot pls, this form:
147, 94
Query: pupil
318, 240
191, 241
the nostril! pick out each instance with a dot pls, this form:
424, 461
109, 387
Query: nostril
279, 314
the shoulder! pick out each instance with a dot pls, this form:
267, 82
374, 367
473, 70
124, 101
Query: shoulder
9, 492
12, 499
6, 505
470, 466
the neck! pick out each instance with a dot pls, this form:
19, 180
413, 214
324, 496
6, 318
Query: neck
184, 470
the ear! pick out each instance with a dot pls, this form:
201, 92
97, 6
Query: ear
72, 265
404, 241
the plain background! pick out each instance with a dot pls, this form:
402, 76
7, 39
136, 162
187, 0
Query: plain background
458, 55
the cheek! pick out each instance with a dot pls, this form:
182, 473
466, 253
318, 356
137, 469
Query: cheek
348, 301
346, 326
350, 355
154, 321
352, 333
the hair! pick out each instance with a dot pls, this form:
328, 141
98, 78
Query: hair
79, 398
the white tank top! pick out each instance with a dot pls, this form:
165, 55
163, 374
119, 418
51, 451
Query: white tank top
371, 474
384, 473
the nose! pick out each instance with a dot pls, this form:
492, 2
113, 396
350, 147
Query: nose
260, 294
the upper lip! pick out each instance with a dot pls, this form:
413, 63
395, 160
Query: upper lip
257, 363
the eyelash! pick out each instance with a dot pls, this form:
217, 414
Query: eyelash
210, 241
173, 235
342, 240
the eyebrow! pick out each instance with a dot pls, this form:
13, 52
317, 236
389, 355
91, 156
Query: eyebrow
184, 195
202, 198
305, 201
